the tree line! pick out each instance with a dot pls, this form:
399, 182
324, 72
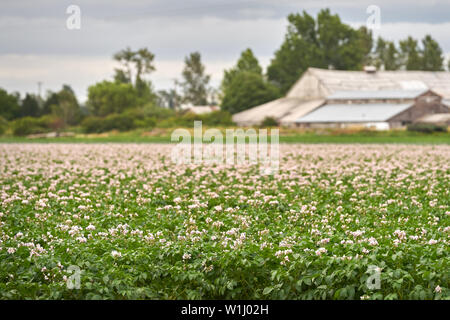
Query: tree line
322, 42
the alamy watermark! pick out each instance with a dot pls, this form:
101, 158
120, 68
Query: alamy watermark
373, 282
73, 22
373, 22
233, 150
74, 280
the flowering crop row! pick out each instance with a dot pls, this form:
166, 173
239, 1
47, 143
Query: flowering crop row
137, 226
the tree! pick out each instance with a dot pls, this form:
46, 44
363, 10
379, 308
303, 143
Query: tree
410, 54
246, 90
324, 43
244, 85
30, 106
387, 55
195, 81
111, 97
52, 99
247, 63
432, 57
169, 99
9, 105
139, 62
67, 107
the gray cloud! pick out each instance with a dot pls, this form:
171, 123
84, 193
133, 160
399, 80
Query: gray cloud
37, 46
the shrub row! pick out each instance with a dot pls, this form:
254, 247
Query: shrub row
29, 125
137, 119
426, 127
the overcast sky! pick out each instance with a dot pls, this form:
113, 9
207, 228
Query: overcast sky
37, 46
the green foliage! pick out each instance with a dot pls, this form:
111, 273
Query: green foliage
325, 42
247, 63
67, 108
139, 61
169, 99
195, 81
426, 127
246, 90
429, 57
30, 125
432, 56
111, 97
3, 125
30, 106
387, 55
145, 123
154, 111
121, 122
131, 225
9, 105
410, 53
215, 118
269, 122
25, 126
244, 86
52, 100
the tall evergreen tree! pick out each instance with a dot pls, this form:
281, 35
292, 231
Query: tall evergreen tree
386, 55
244, 85
410, 54
432, 57
30, 106
247, 63
9, 105
195, 81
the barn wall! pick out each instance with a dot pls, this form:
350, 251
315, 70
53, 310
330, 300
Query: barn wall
419, 109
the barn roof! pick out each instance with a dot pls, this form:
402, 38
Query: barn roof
274, 109
339, 80
378, 95
371, 112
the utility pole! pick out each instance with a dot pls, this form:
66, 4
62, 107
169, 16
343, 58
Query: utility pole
39, 88
39, 99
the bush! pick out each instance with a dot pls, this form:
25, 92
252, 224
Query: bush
269, 122
3, 125
426, 127
217, 118
146, 123
247, 90
122, 122
28, 125
152, 111
92, 124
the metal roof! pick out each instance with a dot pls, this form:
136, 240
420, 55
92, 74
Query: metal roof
371, 112
275, 109
332, 81
381, 94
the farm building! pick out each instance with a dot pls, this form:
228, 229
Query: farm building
442, 119
318, 88
199, 109
382, 109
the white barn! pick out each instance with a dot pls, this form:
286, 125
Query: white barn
316, 86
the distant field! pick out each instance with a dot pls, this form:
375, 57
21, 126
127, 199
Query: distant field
286, 136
